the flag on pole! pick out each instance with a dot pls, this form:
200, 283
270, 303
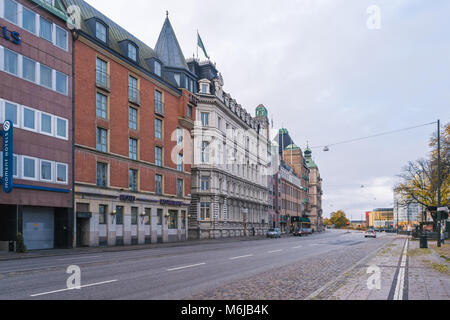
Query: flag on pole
201, 45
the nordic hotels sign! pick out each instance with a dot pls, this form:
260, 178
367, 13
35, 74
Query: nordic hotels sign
8, 158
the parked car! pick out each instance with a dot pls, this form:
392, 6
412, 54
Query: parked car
370, 234
274, 233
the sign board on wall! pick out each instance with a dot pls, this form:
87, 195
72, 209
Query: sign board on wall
8, 156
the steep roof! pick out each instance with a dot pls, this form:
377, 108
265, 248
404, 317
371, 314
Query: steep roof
168, 49
116, 32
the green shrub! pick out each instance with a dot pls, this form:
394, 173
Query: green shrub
20, 247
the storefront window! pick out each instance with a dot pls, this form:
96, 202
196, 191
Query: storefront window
134, 216
159, 217
147, 218
173, 219
102, 210
119, 215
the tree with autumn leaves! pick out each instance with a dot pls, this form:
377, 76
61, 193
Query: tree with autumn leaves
338, 219
419, 180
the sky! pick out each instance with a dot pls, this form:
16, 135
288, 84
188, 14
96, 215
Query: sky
325, 74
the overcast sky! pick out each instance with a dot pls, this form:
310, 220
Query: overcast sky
323, 75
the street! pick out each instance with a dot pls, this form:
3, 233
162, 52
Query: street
183, 272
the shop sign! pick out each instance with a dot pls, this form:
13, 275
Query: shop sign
12, 36
8, 156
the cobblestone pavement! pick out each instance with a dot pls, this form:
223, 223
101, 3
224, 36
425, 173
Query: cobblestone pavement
297, 281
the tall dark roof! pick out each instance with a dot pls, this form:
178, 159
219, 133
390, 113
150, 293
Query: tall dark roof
168, 49
116, 33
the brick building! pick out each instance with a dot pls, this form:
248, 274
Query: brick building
133, 113
36, 96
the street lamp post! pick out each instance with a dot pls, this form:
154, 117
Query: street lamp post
439, 216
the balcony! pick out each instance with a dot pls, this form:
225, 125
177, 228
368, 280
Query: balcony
102, 80
160, 108
134, 95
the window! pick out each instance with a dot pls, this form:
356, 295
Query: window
219, 123
29, 119
46, 123
173, 219
102, 180
11, 11
28, 20
189, 112
204, 88
102, 212
119, 215
46, 29
61, 128
158, 184
102, 106
179, 137
132, 118
205, 211
133, 93
61, 82
61, 173
132, 52
180, 188
102, 73
134, 216
100, 31
133, 177
158, 129
133, 146
28, 69
204, 183
159, 216
11, 111
46, 77
11, 61
101, 140
61, 38
205, 119
46, 170
158, 68
158, 156
29, 168
180, 162
148, 213
177, 77
159, 106
205, 152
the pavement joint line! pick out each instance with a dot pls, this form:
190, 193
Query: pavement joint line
69, 289
339, 278
185, 267
242, 257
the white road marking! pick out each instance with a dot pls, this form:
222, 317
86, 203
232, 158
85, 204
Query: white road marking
241, 257
401, 275
67, 289
185, 267
297, 247
275, 251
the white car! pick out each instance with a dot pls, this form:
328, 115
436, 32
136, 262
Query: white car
370, 234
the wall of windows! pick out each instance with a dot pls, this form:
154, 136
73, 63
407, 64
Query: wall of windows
41, 170
30, 70
32, 22
37, 121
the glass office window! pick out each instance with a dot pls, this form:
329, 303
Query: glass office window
46, 123
46, 30
61, 82
28, 20
29, 69
29, 119
61, 173
11, 11
46, 76
46, 170
29, 168
61, 128
61, 38
11, 111
10, 61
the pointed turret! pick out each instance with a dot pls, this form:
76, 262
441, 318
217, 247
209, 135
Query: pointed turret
168, 49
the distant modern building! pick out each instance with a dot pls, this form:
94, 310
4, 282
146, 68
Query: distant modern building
382, 218
36, 96
407, 215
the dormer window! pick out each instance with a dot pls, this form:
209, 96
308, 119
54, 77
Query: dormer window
100, 31
132, 52
204, 88
158, 68
177, 77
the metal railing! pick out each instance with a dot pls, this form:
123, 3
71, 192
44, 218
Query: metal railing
134, 95
102, 80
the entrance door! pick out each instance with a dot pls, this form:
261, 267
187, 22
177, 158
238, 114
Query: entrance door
38, 228
83, 232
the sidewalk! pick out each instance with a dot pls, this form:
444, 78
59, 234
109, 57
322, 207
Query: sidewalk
88, 250
427, 277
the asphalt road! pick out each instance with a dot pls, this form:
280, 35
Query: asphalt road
162, 273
